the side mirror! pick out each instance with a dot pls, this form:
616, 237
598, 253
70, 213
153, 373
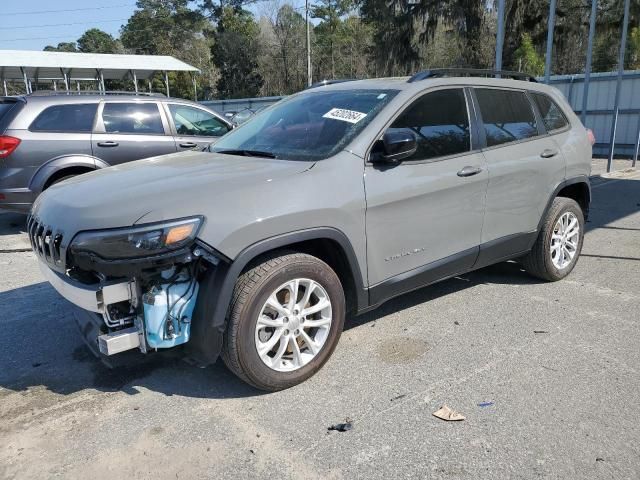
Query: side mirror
396, 146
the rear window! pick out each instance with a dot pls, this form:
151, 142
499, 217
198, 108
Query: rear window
507, 115
140, 118
5, 107
552, 115
74, 118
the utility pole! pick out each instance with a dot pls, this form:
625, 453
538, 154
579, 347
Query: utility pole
306, 16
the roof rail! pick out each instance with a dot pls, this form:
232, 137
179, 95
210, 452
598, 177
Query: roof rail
46, 93
333, 81
469, 72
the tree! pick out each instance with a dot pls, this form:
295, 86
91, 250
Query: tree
171, 27
527, 59
62, 47
633, 61
235, 52
330, 12
96, 41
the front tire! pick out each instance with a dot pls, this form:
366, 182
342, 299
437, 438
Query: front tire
285, 320
559, 243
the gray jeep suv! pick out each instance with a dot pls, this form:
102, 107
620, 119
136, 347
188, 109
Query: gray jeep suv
47, 137
328, 203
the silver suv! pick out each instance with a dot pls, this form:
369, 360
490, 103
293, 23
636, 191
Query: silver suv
47, 137
326, 204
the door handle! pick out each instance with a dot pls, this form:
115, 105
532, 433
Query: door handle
108, 144
188, 145
469, 171
548, 153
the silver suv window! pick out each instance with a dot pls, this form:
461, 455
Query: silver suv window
72, 118
507, 115
194, 121
440, 123
309, 126
552, 115
138, 118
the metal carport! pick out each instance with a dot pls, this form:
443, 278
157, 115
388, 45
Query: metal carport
33, 66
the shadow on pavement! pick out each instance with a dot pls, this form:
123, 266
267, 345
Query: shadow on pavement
12, 223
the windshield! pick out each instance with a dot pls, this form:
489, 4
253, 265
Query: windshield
311, 126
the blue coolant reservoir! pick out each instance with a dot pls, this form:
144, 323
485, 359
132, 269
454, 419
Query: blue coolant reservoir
168, 309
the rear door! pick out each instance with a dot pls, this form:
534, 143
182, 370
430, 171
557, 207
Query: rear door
524, 163
194, 127
131, 130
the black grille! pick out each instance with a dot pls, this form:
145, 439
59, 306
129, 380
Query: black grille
46, 242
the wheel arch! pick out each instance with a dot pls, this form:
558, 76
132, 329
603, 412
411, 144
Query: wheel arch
577, 188
61, 166
329, 244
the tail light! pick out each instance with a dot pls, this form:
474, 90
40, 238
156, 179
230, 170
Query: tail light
8, 145
591, 137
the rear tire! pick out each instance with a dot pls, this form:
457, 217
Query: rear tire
558, 246
270, 342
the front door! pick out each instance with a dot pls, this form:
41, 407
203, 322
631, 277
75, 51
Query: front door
127, 131
424, 215
195, 127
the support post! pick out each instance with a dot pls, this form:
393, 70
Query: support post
195, 87
104, 90
4, 85
66, 79
149, 82
635, 155
616, 105
78, 85
587, 70
550, 26
26, 82
55, 85
306, 18
500, 35
166, 82
134, 77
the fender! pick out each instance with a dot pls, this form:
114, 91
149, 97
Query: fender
569, 181
211, 308
44, 172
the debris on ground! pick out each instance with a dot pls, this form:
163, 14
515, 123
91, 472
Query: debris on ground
398, 397
456, 322
599, 459
448, 414
540, 331
486, 404
341, 427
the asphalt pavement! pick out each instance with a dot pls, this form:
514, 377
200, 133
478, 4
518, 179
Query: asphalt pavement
546, 374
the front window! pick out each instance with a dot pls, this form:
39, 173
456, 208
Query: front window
196, 122
311, 126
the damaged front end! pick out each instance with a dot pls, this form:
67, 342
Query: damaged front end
137, 288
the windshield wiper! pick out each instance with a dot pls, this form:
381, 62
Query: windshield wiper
248, 153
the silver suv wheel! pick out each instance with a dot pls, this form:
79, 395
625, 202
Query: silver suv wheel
564, 240
293, 325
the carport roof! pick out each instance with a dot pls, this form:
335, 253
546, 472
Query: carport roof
51, 65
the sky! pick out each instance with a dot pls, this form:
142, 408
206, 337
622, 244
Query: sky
34, 24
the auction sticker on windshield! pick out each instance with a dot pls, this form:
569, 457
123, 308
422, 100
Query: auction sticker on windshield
350, 116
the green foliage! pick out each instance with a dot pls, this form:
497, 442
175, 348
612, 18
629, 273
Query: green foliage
633, 61
95, 40
62, 47
526, 57
235, 53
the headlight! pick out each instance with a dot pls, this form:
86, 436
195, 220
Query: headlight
134, 242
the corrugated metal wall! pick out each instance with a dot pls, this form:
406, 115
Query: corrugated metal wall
600, 104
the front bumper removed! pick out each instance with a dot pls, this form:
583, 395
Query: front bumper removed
89, 297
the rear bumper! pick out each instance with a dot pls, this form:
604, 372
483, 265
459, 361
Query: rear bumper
17, 199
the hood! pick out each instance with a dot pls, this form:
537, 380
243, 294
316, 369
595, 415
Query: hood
159, 188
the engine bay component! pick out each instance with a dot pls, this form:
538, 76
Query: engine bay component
120, 341
168, 308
